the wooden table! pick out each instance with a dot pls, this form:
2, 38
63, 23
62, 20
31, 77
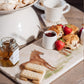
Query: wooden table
76, 74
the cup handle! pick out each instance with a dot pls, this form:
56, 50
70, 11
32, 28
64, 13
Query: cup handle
67, 9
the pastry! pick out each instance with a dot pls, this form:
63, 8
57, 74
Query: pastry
22, 3
74, 29
8, 4
14, 4
71, 41
58, 29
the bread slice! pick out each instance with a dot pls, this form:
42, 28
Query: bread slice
36, 82
34, 77
33, 81
23, 78
35, 68
31, 75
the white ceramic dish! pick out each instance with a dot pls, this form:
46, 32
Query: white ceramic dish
21, 25
53, 57
8, 12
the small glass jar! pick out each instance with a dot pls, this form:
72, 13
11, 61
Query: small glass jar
9, 52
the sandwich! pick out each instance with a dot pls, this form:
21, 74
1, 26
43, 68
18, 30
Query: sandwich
30, 75
33, 73
35, 67
71, 41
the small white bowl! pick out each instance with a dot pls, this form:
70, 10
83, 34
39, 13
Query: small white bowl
47, 41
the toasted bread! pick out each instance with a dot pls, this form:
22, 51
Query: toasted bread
35, 67
33, 72
31, 75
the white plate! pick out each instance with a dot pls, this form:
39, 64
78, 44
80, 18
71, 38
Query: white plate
39, 6
8, 12
53, 57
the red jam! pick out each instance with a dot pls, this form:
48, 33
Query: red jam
50, 34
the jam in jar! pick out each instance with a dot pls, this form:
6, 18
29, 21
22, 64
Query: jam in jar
9, 52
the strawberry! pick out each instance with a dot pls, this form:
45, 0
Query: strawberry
67, 29
80, 32
60, 25
59, 45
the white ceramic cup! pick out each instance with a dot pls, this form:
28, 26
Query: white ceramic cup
49, 42
54, 9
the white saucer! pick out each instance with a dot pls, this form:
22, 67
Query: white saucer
48, 23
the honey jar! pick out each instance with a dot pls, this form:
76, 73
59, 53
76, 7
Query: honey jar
9, 52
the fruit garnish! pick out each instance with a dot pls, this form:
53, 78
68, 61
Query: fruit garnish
60, 25
59, 45
68, 25
67, 29
81, 30
62, 40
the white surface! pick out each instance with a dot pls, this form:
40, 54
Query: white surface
53, 57
21, 25
47, 23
